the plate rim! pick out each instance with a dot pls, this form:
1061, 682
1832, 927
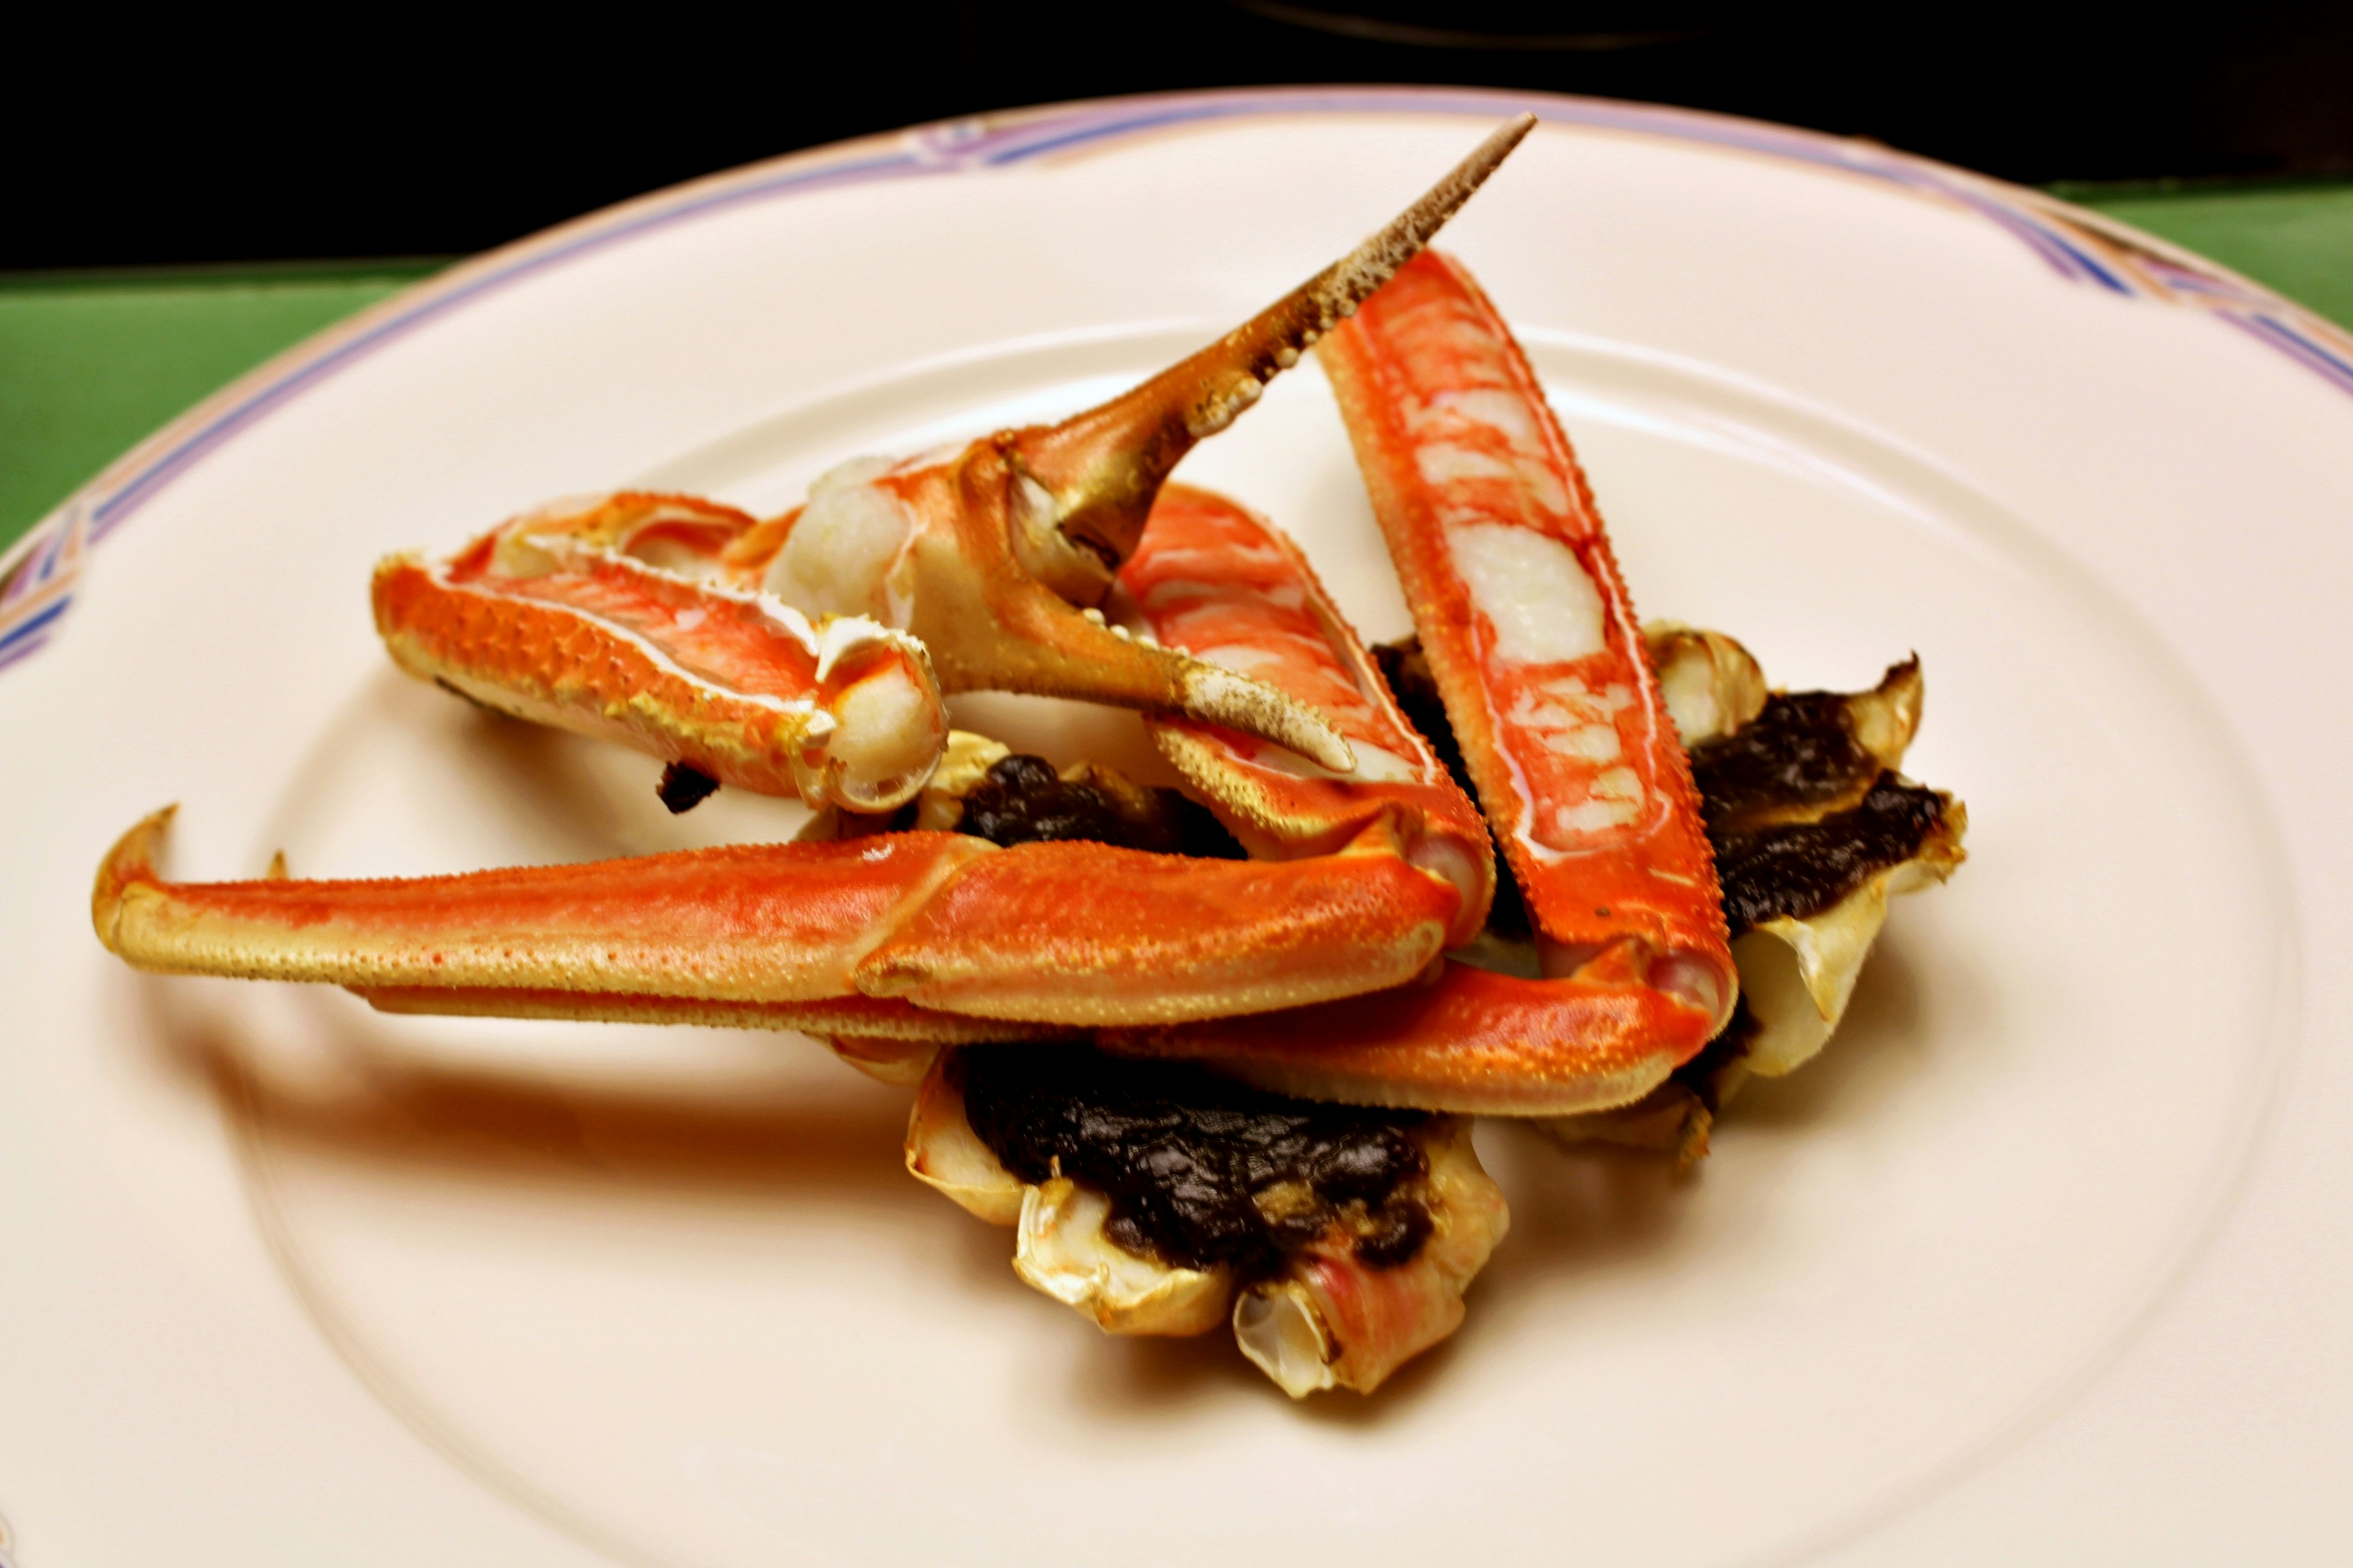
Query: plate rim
40, 575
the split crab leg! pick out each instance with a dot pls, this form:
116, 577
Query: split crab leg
1214, 580
752, 652
590, 615
1537, 654
919, 936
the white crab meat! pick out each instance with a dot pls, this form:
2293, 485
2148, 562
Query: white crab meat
837, 559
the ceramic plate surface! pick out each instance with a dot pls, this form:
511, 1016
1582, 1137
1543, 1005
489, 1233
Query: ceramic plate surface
2047, 1257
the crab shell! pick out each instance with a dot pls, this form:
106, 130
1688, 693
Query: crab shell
1328, 1320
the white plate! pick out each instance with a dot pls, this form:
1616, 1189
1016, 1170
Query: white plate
2047, 1259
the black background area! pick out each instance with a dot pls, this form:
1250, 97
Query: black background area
440, 133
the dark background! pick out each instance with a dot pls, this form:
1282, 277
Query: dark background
438, 135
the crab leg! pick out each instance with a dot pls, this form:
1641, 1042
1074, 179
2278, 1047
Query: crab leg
1220, 583
1049, 933
593, 616
1469, 1041
1528, 629
756, 654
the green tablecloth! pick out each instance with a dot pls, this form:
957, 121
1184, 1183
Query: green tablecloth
90, 363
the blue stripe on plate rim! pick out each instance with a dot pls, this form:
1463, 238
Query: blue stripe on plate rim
38, 576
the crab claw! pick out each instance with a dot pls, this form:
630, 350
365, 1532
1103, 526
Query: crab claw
1000, 556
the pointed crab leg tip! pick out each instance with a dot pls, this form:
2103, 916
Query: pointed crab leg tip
132, 859
1327, 748
1511, 133
277, 871
1238, 702
1412, 229
1103, 467
133, 854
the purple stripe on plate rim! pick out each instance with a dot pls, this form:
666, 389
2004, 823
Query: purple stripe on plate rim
2080, 247
31, 631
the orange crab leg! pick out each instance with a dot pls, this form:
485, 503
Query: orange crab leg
1529, 631
758, 653
1227, 588
1049, 934
580, 616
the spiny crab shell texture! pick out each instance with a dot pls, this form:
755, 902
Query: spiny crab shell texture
591, 615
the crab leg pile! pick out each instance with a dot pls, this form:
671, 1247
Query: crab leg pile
1119, 1001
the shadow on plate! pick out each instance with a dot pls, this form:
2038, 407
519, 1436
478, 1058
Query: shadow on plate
312, 1074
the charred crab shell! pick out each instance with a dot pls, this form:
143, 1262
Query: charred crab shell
1331, 1321
1060, 1246
946, 1155
1061, 1249
1799, 973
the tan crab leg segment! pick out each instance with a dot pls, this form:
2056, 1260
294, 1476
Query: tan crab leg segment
1231, 589
1042, 933
991, 556
1471, 1041
602, 618
1529, 631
